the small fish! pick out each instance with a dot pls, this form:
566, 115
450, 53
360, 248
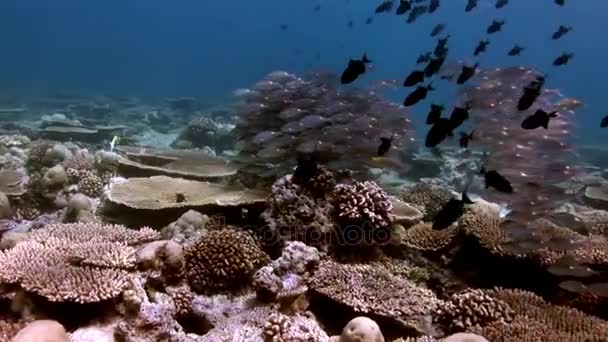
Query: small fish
415, 13
495, 180
437, 29
350, 24
284, 27
317, 8
515, 50
308, 167
440, 130
466, 73
423, 58
481, 47
459, 115
501, 3
539, 119
415, 77
369, 20
563, 59
404, 6
560, 2
604, 122
433, 66
496, 26
354, 69
465, 139
385, 6
471, 4
385, 145
417, 95
531, 93
433, 6
441, 49
434, 114
451, 211
561, 31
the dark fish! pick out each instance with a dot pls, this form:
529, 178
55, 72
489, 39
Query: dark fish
350, 24
437, 29
501, 3
441, 49
317, 8
531, 93
466, 73
283, 27
433, 66
481, 47
433, 6
354, 69
423, 58
414, 78
415, 13
459, 115
465, 139
604, 122
515, 50
404, 6
471, 4
451, 212
539, 119
417, 95
440, 130
434, 114
496, 26
563, 59
369, 20
561, 31
495, 180
308, 167
560, 2
385, 145
385, 6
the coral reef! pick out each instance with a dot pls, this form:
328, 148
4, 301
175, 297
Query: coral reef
430, 197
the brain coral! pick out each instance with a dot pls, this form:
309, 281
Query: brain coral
222, 260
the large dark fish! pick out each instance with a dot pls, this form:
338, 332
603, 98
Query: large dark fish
540, 118
441, 49
308, 167
423, 58
561, 31
495, 180
415, 77
404, 6
481, 47
451, 211
466, 73
385, 6
434, 66
496, 26
354, 69
465, 139
385, 145
531, 93
560, 2
563, 59
417, 95
604, 122
415, 13
459, 116
434, 114
441, 129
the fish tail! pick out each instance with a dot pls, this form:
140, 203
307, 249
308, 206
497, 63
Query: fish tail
553, 114
365, 59
465, 198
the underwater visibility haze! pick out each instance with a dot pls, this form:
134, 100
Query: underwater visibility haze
325, 170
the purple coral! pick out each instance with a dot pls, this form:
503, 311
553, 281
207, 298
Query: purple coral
363, 202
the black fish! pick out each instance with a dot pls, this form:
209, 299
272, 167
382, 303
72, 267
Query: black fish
515, 50
459, 115
441, 49
466, 73
471, 4
563, 59
465, 139
495, 180
434, 114
501, 3
433, 66
437, 29
441, 129
385, 6
404, 6
350, 24
414, 78
531, 93
539, 119
423, 58
317, 8
496, 26
560, 2
354, 69
283, 27
415, 13
561, 31
433, 6
385, 145
308, 167
451, 212
604, 122
481, 47
417, 95
369, 20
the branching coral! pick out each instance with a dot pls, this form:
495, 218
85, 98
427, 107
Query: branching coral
73, 262
90, 184
473, 308
486, 229
282, 328
423, 237
223, 260
363, 204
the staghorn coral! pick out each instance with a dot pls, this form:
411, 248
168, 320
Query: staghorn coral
428, 196
472, 308
375, 290
282, 328
366, 206
182, 298
223, 260
423, 237
73, 262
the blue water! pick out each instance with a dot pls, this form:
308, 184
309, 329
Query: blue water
203, 48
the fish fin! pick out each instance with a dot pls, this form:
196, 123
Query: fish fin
471, 135
365, 59
465, 198
429, 87
545, 124
482, 171
552, 114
